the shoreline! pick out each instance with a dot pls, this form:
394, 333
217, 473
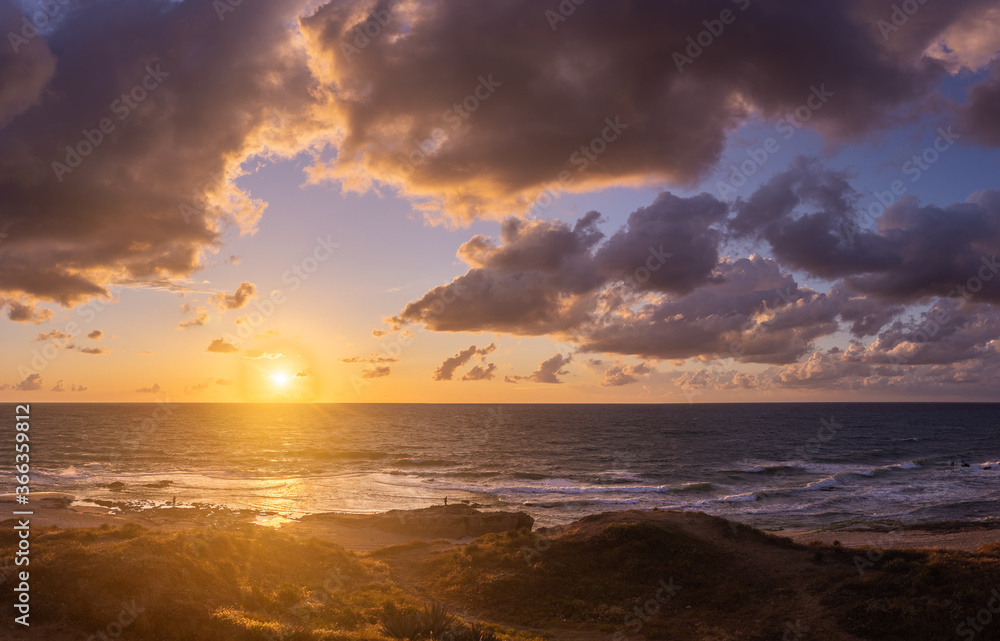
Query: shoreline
366, 532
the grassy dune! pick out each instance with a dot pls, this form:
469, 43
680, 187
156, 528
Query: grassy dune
655, 575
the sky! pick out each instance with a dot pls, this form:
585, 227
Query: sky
509, 201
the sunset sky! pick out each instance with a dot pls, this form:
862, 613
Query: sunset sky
503, 201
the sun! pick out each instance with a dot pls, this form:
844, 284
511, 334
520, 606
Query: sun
280, 379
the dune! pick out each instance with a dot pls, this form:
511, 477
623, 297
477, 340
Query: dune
637, 574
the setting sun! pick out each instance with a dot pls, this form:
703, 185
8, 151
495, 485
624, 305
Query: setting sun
280, 379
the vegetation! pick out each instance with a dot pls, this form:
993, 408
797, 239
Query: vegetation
687, 579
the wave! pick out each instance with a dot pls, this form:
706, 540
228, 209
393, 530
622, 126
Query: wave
561, 489
703, 486
581, 503
422, 462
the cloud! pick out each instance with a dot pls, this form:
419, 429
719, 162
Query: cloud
95, 335
806, 214
95, 351
59, 386
447, 369
79, 388
221, 346
548, 371
245, 293
373, 358
535, 113
480, 373
118, 216
257, 354
53, 335
620, 374
200, 317
32, 383
223, 381
155, 389
536, 280
376, 372
301, 374
20, 311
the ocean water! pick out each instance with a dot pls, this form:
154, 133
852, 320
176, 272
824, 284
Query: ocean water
772, 465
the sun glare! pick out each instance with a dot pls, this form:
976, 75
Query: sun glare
279, 378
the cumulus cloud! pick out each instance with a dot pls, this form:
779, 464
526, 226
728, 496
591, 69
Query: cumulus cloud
548, 371
20, 311
376, 372
410, 88
447, 369
32, 383
95, 335
465, 132
245, 293
221, 346
480, 373
301, 374
257, 354
117, 216
199, 318
155, 389
372, 358
94, 351
53, 335
621, 374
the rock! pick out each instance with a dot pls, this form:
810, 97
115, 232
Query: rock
117, 486
158, 484
451, 522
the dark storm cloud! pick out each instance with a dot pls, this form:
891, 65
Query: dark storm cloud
182, 97
398, 95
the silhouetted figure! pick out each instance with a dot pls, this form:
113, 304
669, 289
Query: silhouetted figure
174, 502
446, 500
965, 465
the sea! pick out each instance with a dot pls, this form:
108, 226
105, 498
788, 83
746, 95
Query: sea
769, 465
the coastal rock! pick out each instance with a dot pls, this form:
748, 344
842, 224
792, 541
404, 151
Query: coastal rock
451, 521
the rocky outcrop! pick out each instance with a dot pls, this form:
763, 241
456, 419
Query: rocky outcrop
450, 522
